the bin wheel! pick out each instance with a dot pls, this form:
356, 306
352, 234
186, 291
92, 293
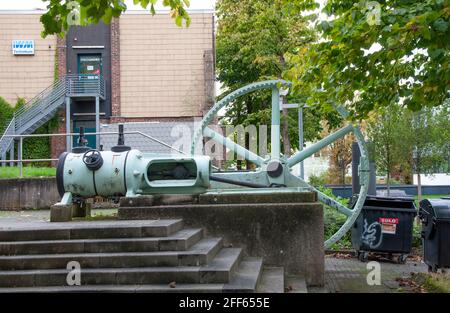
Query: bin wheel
363, 256
432, 269
402, 258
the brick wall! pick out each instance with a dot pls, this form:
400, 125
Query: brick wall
115, 69
58, 144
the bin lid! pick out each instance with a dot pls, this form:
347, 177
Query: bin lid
402, 203
440, 207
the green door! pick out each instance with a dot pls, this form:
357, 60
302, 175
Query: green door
89, 127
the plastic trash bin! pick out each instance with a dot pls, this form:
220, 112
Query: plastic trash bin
385, 225
435, 217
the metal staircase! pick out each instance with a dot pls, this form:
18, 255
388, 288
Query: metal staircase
44, 106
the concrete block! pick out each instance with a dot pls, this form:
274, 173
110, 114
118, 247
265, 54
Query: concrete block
289, 235
81, 209
61, 213
136, 201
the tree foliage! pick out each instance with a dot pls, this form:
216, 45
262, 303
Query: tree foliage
253, 38
411, 142
62, 14
389, 132
373, 54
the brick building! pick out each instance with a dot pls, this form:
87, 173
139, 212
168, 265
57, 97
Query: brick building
148, 70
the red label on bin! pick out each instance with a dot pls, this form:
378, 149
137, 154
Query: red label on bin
388, 220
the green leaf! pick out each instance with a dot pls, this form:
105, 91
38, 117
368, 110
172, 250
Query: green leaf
144, 3
179, 20
440, 25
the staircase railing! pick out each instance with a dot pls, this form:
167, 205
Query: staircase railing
48, 100
39, 104
6, 141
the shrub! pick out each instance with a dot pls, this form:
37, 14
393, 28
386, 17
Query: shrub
6, 113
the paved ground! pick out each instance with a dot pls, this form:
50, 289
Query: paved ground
343, 273
20, 217
347, 274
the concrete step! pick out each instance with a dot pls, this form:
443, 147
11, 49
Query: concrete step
179, 241
295, 284
199, 254
219, 270
272, 280
92, 230
245, 278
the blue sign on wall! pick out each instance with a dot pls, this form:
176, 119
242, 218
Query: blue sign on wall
22, 47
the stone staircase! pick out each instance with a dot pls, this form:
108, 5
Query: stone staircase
127, 256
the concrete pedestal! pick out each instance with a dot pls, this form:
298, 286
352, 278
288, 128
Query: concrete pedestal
286, 229
65, 212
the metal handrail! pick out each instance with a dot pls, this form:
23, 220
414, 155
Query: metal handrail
48, 100
20, 138
36, 99
68, 85
5, 135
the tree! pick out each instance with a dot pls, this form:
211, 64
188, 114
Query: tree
253, 38
373, 54
62, 14
387, 131
429, 142
340, 158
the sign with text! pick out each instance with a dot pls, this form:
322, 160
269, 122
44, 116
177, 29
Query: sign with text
22, 47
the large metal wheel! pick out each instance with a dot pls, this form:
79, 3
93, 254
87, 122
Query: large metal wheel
275, 170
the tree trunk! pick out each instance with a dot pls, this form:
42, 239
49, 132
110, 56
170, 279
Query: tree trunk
388, 184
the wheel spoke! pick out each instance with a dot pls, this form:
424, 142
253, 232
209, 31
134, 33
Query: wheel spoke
230, 144
302, 155
333, 203
275, 129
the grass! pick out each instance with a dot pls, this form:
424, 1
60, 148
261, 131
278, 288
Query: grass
438, 283
28, 171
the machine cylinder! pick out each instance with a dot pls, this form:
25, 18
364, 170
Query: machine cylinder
131, 173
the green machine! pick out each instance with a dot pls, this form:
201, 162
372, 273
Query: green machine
126, 172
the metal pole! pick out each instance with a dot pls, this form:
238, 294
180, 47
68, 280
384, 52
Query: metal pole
275, 131
68, 138
3, 157
97, 121
300, 138
11, 153
19, 152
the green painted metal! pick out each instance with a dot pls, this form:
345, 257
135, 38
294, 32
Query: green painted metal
134, 173
230, 144
275, 129
287, 179
226, 100
306, 153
